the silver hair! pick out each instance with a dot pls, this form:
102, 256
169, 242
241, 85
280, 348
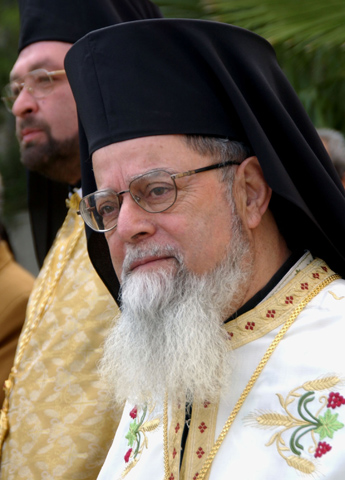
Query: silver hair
335, 144
222, 150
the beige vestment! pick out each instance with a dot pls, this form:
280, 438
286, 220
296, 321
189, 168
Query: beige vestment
61, 422
15, 287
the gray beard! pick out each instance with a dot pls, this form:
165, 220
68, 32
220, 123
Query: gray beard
169, 337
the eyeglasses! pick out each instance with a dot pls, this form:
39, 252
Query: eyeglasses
39, 83
154, 192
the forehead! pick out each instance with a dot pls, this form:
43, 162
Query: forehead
48, 54
131, 158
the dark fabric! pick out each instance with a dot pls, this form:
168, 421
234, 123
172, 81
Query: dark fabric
47, 208
272, 283
69, 20
169, 76
65, 21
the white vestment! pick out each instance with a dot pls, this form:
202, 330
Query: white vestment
291, 423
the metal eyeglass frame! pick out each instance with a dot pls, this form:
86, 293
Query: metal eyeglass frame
9, 99
174, 176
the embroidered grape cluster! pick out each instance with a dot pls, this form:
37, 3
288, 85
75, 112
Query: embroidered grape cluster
322, 448
335, 400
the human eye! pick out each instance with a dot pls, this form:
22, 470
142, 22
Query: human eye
42, 79
16, 88
158, 192
107, 208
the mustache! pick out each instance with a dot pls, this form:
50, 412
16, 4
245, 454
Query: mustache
136, 253
31, 123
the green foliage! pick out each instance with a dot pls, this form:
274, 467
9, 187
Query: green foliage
299, 24
309, 38
182, 8
13, 173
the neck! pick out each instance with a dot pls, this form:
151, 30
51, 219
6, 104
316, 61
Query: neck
270, 252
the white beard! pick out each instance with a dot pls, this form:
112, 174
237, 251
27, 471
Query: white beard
169, 337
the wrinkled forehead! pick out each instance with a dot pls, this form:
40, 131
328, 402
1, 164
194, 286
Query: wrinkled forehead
117, 164
46, 54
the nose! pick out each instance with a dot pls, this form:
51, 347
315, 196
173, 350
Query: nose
25, 104
134, 224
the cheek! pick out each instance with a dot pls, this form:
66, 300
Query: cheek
117, 253
207, 242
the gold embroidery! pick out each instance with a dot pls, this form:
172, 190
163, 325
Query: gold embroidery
273, 312
150, 425
301, 464
336, 296
322, 383
200, 439
306, 422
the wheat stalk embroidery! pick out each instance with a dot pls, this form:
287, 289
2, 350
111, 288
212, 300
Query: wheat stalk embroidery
318, 425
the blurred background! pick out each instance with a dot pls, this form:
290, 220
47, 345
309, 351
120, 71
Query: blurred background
309, 38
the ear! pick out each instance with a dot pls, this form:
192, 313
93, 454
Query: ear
251, 192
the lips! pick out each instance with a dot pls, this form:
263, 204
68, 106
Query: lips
147, 261
29, 134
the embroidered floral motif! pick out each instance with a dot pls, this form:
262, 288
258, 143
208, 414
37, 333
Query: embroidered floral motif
136, 436
289, 300
202, 427
308, 422
200, 452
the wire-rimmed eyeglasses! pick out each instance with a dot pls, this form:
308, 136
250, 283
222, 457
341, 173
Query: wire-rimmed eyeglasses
154, 192
39, 83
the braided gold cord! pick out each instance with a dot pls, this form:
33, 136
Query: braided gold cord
203, 472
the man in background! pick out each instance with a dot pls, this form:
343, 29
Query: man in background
56, 419
334, 143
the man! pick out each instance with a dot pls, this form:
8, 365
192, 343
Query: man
210, 178
334, 143
56, 421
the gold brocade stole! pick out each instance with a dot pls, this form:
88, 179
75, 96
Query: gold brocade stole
279, 309
42, 295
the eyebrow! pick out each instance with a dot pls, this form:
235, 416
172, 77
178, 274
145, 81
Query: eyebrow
45, 63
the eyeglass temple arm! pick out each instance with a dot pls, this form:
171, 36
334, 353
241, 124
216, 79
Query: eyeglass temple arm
57, 72
204, 169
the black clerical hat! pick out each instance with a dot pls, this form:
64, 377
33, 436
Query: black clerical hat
69, 20
168, 76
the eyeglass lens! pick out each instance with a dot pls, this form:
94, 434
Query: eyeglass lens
39, 83
154, 192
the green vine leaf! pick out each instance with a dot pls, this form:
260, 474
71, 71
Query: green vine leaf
328, 424
132, 433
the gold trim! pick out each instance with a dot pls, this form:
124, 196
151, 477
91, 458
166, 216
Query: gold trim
274, 311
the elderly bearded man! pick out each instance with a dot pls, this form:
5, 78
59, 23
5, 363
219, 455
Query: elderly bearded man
213, 199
